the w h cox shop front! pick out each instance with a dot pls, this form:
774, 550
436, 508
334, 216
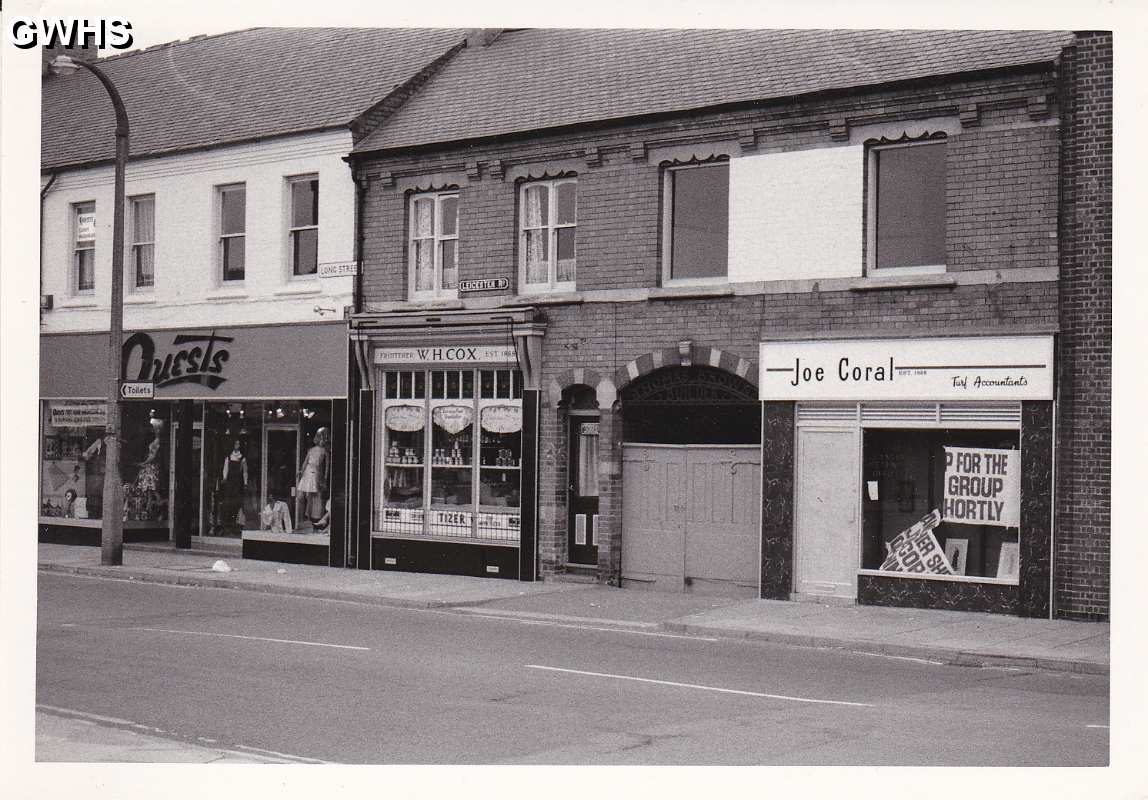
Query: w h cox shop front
240, 434
447, 442
920, 469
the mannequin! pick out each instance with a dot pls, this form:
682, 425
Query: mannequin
147, 480
234, 486
311, 480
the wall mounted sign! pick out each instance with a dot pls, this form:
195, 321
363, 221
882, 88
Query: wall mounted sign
405, 418
967, 368
137, 390
454, 354
202, 362
484, 285
297, 360
78, 414
338, 269
589, 428
982, 487
85, 227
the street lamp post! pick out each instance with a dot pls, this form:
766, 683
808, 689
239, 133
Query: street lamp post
112, 524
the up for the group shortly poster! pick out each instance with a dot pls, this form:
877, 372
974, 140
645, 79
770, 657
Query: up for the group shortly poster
982, 487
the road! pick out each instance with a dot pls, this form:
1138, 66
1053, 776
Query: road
348, 683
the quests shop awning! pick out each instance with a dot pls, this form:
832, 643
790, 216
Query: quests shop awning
272, 361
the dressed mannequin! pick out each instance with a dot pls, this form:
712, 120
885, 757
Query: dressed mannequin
147, 480
93, 459
276, 517
311, 481
234, 486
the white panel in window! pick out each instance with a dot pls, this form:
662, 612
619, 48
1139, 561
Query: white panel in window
797, 215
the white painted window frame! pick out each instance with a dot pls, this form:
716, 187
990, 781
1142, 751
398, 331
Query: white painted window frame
871, 268
437, 236
83, 207
289, 206
668, 230
551, 226
134, 243
220, 236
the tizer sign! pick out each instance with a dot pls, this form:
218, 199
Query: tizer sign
28, 32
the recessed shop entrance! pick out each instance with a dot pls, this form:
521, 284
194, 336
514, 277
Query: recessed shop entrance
691, 467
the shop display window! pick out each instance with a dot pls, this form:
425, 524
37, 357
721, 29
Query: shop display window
942, 502
72, 458
461, 480
263, 457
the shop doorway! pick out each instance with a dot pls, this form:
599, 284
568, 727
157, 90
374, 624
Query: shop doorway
825, 524
691, 518
280, 463
691, 473
582, 503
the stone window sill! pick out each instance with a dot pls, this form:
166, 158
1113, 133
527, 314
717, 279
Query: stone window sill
903, 282
690, 292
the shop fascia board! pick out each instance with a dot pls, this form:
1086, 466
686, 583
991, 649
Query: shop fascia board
446, 319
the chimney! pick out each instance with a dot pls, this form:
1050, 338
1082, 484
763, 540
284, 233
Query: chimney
84, 52
482, 37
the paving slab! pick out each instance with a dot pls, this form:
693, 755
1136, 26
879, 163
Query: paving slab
80, 739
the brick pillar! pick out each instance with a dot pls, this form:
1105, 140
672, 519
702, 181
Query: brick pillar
609, 493
551, 487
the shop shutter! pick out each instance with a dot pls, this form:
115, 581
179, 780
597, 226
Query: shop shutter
912, 415
826, 413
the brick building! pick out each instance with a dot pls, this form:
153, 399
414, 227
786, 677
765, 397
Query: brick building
1084, 472
737, 312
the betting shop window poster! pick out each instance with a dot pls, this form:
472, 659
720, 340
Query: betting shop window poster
982, 487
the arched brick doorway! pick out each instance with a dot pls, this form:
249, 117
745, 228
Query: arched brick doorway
691, 466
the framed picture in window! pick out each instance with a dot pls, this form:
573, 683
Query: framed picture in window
51, 448
957, 552
1008, 565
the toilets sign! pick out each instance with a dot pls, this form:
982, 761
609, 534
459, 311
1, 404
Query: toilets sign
965, 368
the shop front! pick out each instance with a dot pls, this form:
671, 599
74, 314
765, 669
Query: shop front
919, 472
447, 442
241, 438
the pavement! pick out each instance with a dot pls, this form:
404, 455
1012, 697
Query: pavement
947, 637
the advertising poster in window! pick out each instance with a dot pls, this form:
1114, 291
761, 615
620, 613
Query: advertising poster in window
916, 549
982, 487
78, 414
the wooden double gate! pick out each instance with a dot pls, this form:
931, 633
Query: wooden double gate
691, 518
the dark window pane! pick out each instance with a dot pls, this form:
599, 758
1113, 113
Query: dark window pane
567, 203
438, 388
452, 383
85, 270
405, 384
486, 376
305, 251
233, 258
450, 264
304, 203
700, 222
392, 385
468, 384
420, 385
503, 383
517, 385
911, 206
449, 216
233, 210
143, 256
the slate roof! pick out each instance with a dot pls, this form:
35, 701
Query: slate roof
540, 78
232, 87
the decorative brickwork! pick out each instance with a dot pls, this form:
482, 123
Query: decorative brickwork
1084, 444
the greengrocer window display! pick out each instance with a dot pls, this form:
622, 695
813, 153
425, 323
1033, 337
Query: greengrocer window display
450, 445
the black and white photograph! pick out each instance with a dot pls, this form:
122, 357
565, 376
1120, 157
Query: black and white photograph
732, 388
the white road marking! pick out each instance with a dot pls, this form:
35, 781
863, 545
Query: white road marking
899, 658
700, 686
588, 627
1097, 726
253, 638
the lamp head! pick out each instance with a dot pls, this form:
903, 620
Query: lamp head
64, 65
